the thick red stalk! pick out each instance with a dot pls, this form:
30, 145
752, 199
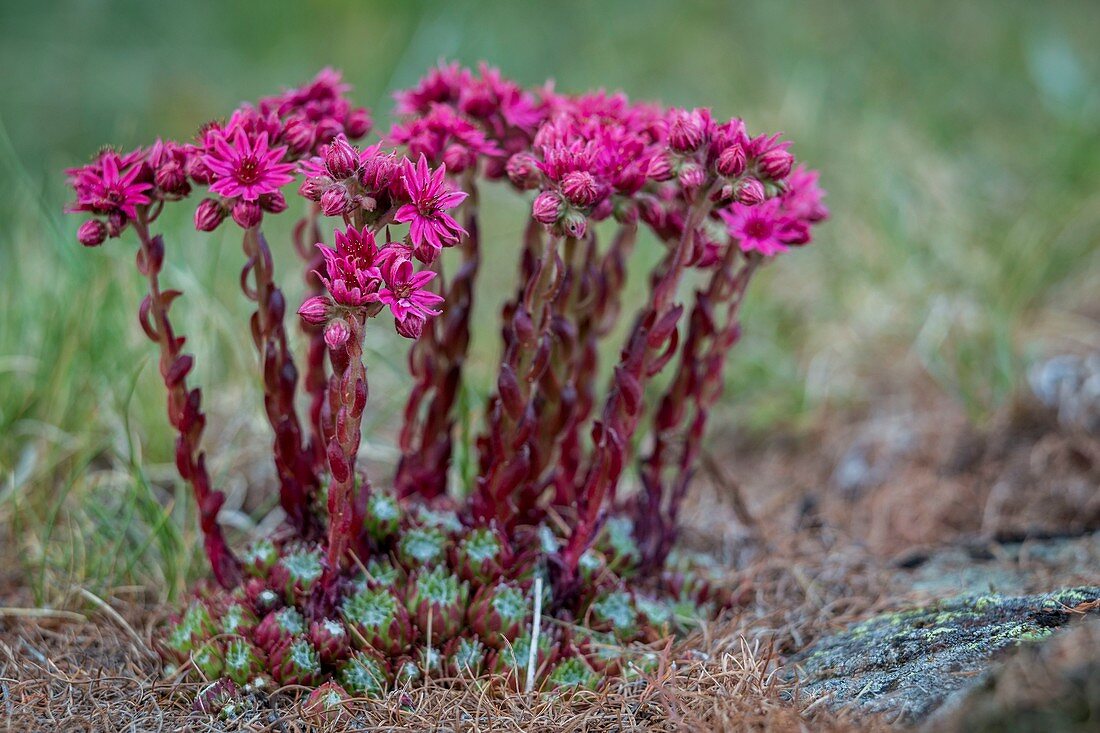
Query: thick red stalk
293, 460
347, 398
306, 234
184, 405
436, 361
650, 345
679, 422
503, 492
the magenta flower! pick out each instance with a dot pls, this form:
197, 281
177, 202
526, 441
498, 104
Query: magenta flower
404, 292
248, 169
430, 226
110, 185
351, 275
762, 228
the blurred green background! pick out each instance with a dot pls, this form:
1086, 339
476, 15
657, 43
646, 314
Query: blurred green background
959, 143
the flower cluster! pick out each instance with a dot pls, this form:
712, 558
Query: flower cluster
367, 587
359, 275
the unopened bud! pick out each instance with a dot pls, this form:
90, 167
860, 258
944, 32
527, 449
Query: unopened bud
341, 159
574, 223
247, 214
775, 164
750, 192
580, 188
209, 215
337, 334
731, 161
523, 171
336, 200
547, 207
315, 310
92, 233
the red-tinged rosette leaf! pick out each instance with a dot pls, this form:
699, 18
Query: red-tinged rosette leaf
326, 704
614, 611
186, 633
378, 621
278, 628
262, 599
295, 662
331, 639
499, 613
481, 555
244, 662
422, 546
221, 698
365, 674
464, 657
297, 571
572, 672
437, 602
382, 517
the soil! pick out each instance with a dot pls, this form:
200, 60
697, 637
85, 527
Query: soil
872, 511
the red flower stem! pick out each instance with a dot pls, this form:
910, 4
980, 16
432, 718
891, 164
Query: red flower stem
651, 344
597, 303
293, 460
436, 361
307, 233
184, 406
681, 416
347, 397
505, 451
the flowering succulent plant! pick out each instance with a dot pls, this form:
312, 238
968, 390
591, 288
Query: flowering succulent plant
366, 587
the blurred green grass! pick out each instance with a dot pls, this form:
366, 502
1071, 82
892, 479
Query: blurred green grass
960, 144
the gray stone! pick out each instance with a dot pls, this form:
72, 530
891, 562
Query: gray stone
906, 664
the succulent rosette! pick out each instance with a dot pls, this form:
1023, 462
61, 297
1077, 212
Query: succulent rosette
237, 618
327, 704
295, 661
221, 698
378, 620
437, 604
572, 672
424, 662
297, 571
259, 557
382, 517
383, 572
620, 547
244, 662
186, 632
510, 662
499, 612
331, 639
464, 657
364, 674
422, 546
481, 555
278, 627
614, 611
208, 659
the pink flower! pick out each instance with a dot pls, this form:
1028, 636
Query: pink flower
430, 226
763, 228
351, 274
110, 185
247, 169
404, 292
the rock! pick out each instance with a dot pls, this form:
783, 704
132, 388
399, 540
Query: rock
1052, 687
905, 665
1070, 385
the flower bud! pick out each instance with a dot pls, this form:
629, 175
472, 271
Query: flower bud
411, 327
209, 214
686, 130
336, 200
359, 123
775, 164
692, 175
377, 172
92, 233
660, 167
273, 203
750, 192
198, 171
247, 214
547, 207
298, 135
341, 158
172, 179
574, 223
337, 333
523, 171
580, 188
458, 158
314, 187
315, 310
116, 222
731, 161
